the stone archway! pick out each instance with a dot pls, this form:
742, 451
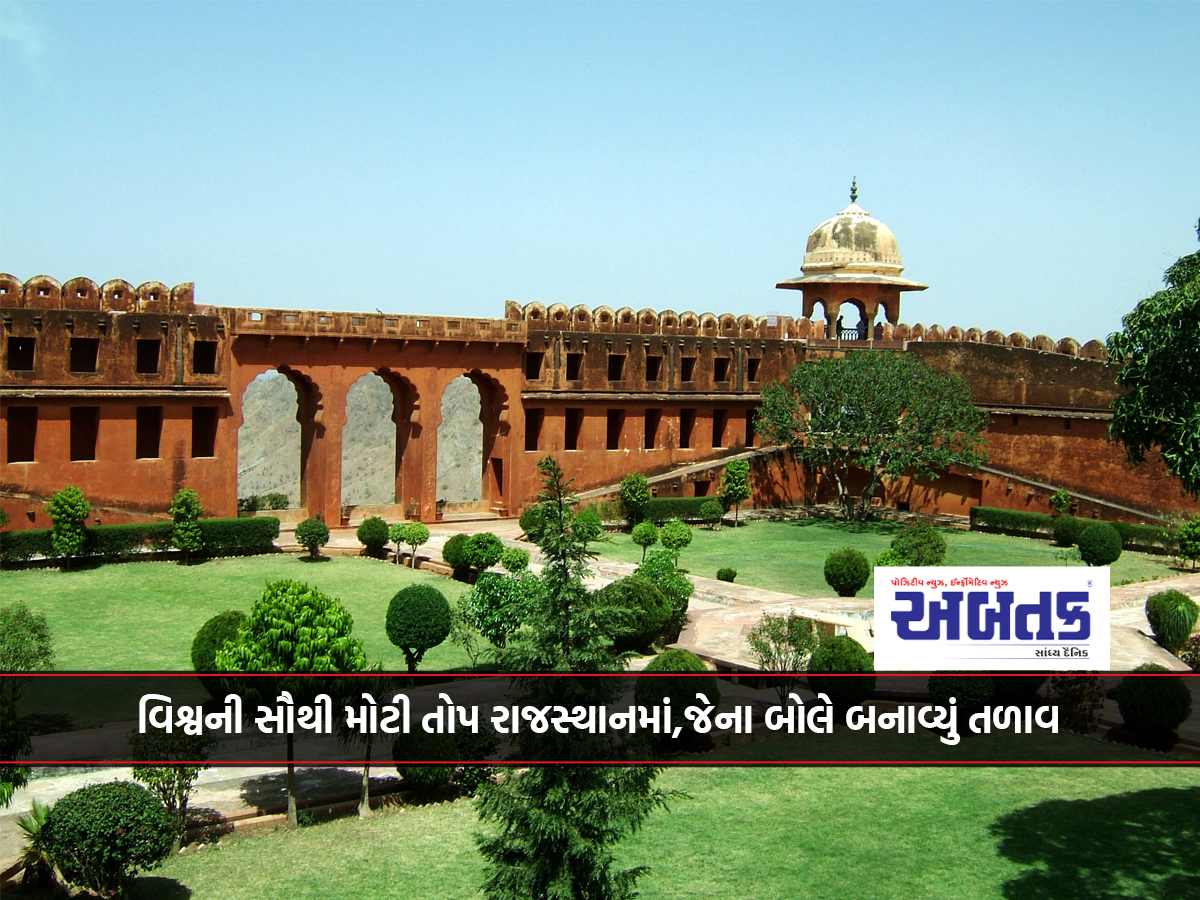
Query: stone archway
460, 439
270, 438
369, 454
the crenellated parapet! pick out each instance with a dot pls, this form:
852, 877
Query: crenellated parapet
44, 292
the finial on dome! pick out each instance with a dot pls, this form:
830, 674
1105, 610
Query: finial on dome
854, 190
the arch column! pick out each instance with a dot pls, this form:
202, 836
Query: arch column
322, 417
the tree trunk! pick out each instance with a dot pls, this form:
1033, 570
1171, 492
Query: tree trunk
293, 819
364, 802
412, 561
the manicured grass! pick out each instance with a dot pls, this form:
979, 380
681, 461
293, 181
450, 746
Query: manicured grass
143, 616
888, 834
790, 556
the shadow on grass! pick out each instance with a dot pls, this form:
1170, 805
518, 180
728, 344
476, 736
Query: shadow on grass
1144, 844
270, 791
159, 888
841, 526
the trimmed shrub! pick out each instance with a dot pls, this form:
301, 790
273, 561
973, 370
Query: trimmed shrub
649, 610
726, 574
675, 535
681, 691
1011, 521
312, 535
1016, 690
531, 523
846, 571
921, 543
186, 510
419, 745
662, 509
373, 534
1190, 652
1100, 544
276, 501
211, 637
514, 560
418, 618
971, 691
250, 503
454, 552
1188, 537
497, 604
711, 512
1067, 530
116, 543
587, 526
635, 494
891, 557
475, 745
1079, 699
842, 654
18, 546
1147, 538
660, 568
411, 535
69, 510
1154, 706
645, 535
484, 550
242, 537
102, 835
1172, 616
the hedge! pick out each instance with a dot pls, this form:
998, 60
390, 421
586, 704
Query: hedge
1143, 538
114, 543
660, 509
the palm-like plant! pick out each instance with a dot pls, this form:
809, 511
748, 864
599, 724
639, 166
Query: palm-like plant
39, 869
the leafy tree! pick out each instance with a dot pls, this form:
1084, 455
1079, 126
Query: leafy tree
588, 526
412, 534
186, 511
14, 743
782, 646
293, 629
210, 638
736, 485
1189, 540
25, 646
645, 535
69, 510
662, 568
350, 692
675, 535
172, 784
497, 604
635, 494
921, 544
373, 534
553, 826
418, 618
711, 512
1060, 501
484, 550
312, 535
1158, 349
515, 560
888, 414
4, 518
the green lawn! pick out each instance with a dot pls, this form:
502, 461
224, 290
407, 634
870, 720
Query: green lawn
887, 834
143, 616
790, 556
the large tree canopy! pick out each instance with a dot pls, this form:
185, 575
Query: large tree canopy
888, 414
1159, 352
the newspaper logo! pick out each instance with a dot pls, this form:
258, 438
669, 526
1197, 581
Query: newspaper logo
993, 618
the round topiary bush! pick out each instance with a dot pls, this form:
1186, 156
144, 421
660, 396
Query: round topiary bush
1067, 530
1151, 704
373, 534
312, 535
483, 550
514, 560
588, 526
102, 835
846, 571
681, 691
417, 618
420, 745
726, 574
1172, 616
711, 512
921, 543
1100, 544
645, 535
971, 692
675, 535
454, 552
531, 523
842, 654
649, 609
890, 557
208, 640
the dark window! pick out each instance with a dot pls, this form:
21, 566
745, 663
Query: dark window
616, 366
20, 354
752, 369
574, 426
687, 422
533, 427
749, 428
902, 506
533, 366
616, 424
204, 430
574, 364
147, 358
719, 420
702, 488
83, 354
1016, 419
85, 428
721, 368
22, 433
149, 431
1066, 424
653, 368
687, 368
204, 358
653, 417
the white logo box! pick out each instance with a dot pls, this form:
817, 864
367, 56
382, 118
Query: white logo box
991, 618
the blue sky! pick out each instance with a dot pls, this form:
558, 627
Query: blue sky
1040, 164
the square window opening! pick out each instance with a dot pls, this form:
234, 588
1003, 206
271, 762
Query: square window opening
533, 366
752, 369
85, 429
616, 366
148, 353
702, 488
687, 423
574, 365
20, 354
653, 417
721, 368
719, 420
22, 433
84, 353
687, 368
149, 431
204, 431
204, 358
616, 425
574, 426
533, 428
654, 368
